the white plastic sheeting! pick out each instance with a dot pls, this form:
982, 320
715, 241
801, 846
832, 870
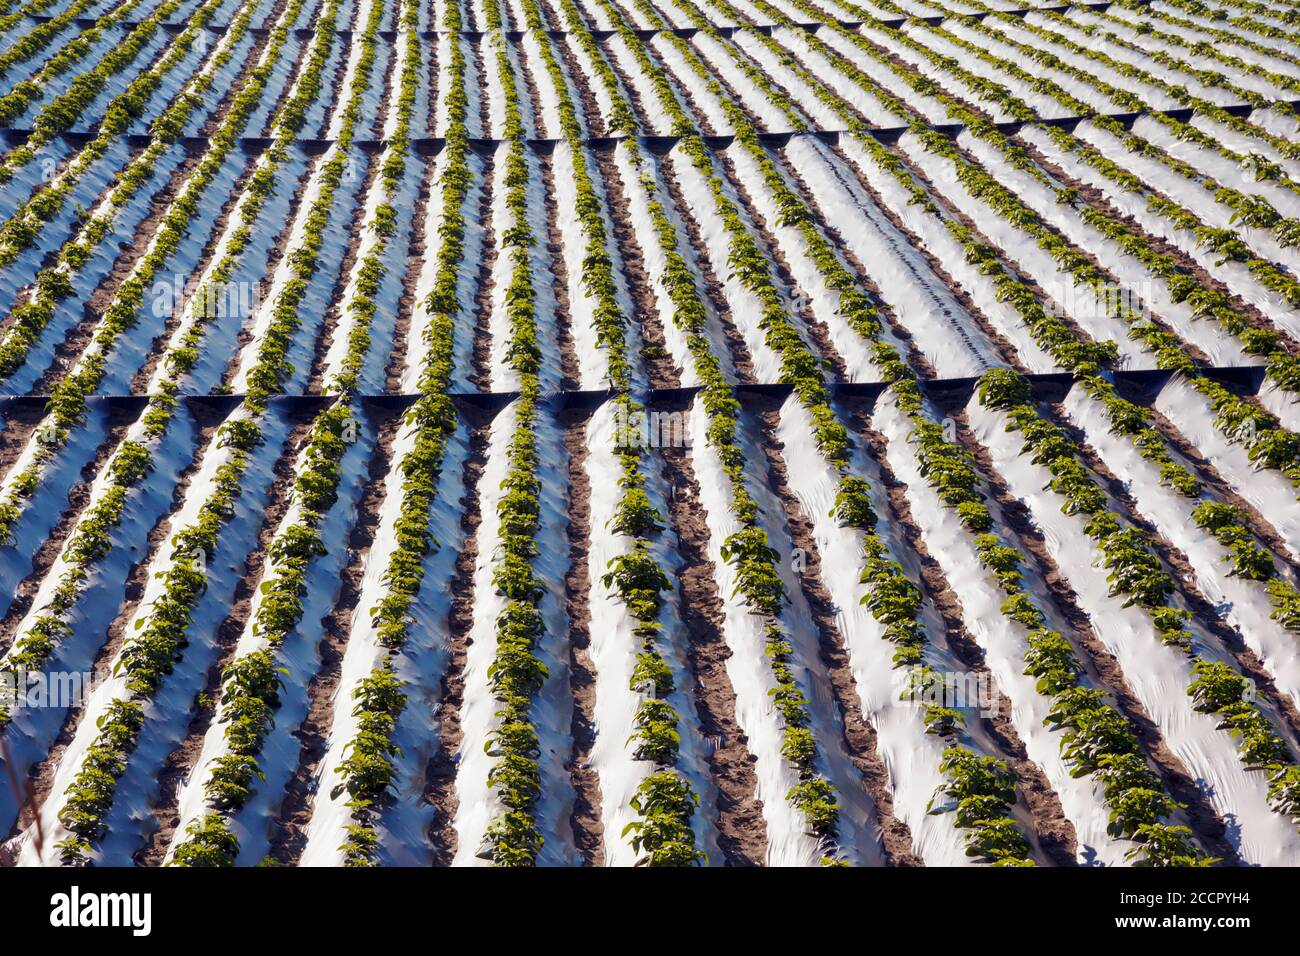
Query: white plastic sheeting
417, 350
1262, 487
1235, 275
653, 113
942, 329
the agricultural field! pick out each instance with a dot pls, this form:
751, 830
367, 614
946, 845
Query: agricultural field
649, 433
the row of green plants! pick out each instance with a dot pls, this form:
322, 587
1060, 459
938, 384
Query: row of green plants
892, 598
22, 229
1180, 94
1249, 6
183, 353
1178, 65
947, 468
1284, 368
1252, 210
664, 801
368, 770
1242, 421
1088, 361
1278, 448
152, 650
91, 539
1096, 740
251, 684
993, 838
748, 550
517, 673
64, 109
